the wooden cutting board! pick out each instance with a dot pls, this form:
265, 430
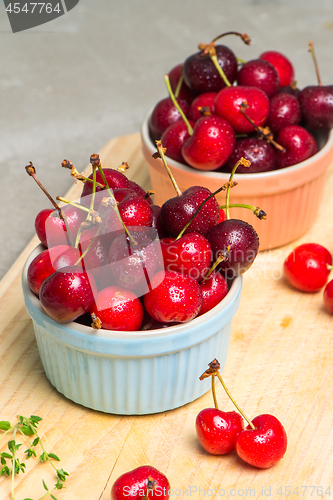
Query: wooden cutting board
280, 361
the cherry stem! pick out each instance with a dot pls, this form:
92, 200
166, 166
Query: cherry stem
328, 267
179, 84
95, 160
256, 210
176, 104
160, 154
246, 39
213, 56
223, 188
234, 402
241, 161
89, 246
77, 176
219, 259
312, 52
214, 392
265, 133
30, 169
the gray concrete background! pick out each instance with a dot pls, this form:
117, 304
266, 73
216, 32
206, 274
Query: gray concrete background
70, 85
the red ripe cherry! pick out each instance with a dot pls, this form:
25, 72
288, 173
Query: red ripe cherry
68, 293
328, 296
210, 145
284, 110
140, 483
317, 106
228, 105
263, 446
178, 211
203, 104
118, 309
173, 298
282, 65
173, 139
163, 114
261, 74
115, 180
298, 143
51, 229
217, 430
238, 242
307, 267
45, 264
200, 73
94, 247
259, 152
191, 255
214, 289
133, 264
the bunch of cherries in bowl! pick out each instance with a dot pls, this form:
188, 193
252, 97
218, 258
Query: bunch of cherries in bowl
114, 260
220, 109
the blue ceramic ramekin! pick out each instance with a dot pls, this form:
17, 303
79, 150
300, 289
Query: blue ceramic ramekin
131, 373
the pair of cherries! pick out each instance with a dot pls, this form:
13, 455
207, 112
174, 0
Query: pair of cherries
307, 268
261, 444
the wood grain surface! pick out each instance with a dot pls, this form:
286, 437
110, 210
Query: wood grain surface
280, 361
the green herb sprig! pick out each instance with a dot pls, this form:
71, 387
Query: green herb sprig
11, 464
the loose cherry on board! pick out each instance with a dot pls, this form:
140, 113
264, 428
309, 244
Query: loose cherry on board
264, 445
328, 296
142, 483
216, 429
307, 267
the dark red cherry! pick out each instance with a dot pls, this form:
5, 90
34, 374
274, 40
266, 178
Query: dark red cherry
115, 180
298, 143
238, 242
173, 139
317, 106
163, 114
178, 211
200, 74
284, 110
259, 152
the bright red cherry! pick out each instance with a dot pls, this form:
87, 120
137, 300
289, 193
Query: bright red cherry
115, 180
173, 139
211, 143
68, 293
46, 263
203, 104
307, 267
214, 289
51, 229
261, 74
263, 446
282, 65
140, 483
118, 309
173, 297
328, 296
191, 255
217, 430
228, 105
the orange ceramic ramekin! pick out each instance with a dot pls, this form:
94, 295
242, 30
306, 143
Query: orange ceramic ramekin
290, 196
